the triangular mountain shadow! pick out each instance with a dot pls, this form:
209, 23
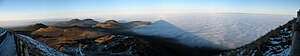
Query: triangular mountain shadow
165, 29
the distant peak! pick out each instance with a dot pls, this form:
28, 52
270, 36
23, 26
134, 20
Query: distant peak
111, 22
161, 21
75, 19
87, 19
40, 25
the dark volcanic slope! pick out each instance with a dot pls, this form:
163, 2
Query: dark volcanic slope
275, 43
34, 27
112, 24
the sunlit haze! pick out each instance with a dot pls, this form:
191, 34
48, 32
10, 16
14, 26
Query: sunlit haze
45, 9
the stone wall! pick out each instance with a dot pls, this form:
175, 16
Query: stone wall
27, 46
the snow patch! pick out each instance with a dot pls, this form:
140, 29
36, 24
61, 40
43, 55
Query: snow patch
44, 49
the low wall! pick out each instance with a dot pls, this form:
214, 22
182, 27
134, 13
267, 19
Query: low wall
27, 46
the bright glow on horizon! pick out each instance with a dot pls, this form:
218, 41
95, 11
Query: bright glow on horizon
40, 9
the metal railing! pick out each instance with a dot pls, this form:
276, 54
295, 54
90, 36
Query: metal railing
2, 39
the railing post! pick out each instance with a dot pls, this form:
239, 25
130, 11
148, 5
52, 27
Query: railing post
295, 48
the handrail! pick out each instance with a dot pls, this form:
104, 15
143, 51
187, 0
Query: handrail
3, 33
4, 37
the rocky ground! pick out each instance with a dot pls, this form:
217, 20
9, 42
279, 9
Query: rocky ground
275, 43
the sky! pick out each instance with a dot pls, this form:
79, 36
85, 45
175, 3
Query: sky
41, 9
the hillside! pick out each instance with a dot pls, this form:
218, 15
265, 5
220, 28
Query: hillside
112, 24
34, 27
77, 22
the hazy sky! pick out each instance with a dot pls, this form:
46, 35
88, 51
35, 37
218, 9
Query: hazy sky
37, 9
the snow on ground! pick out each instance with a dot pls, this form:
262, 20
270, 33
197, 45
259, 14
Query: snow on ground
278, 45
43, 48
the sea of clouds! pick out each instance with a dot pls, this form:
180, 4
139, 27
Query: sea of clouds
226, 29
